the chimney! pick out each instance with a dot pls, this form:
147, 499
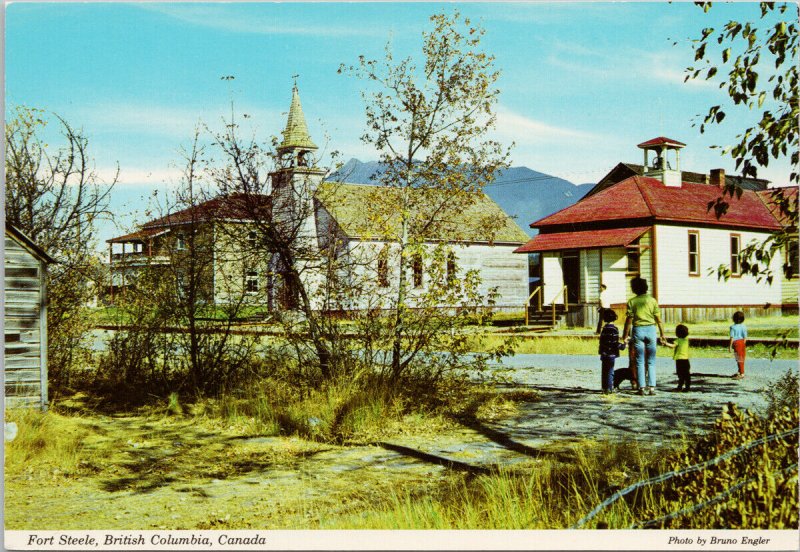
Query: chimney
717, 178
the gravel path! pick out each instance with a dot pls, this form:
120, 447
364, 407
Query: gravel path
572, 406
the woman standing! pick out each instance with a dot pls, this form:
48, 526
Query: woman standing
641, 321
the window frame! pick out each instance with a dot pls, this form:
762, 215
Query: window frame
417, 271
696, 253
637, 251
738, 272
383, 268
451, 268
251, 281
793, 254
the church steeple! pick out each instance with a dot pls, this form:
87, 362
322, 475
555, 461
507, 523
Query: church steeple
296, 139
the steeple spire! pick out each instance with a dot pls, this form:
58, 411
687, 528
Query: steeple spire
296, 135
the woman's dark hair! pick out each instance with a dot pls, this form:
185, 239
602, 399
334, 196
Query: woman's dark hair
639, 285
609, 315
738, 317
681, 331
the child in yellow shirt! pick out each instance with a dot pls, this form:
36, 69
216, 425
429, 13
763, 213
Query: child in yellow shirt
681, 356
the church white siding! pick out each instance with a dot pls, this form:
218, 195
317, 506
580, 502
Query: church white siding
499, 268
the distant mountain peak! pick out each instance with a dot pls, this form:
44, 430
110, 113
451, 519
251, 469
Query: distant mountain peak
525, 194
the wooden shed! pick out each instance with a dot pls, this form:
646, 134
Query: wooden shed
25, 300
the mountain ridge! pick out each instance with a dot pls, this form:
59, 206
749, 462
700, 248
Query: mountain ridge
525, 194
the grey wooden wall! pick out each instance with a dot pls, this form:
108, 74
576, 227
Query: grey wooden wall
25, 360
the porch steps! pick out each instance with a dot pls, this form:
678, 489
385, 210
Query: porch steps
542, 320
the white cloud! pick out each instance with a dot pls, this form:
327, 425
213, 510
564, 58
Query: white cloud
167, 121
217, 17
137, 176
521, 129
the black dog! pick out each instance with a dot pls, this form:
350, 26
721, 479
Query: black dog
621, 375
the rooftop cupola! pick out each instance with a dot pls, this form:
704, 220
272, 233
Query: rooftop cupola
665, 161
297, 145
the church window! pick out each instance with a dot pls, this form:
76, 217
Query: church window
451, 268
383, 267
416, 270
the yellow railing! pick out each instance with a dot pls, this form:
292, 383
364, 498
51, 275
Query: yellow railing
562, 291
538, 292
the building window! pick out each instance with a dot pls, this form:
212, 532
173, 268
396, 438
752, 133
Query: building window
792, 259
251, 281
181, 243
451, 268
694, 253
634, 256
736, 265
383, 267
252, 240
416, 270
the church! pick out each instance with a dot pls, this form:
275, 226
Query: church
342, 219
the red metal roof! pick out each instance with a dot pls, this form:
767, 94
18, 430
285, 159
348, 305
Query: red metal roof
661, 141
556, 241
648, 199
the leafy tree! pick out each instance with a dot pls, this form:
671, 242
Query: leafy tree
54, 195
756, 63
429, 123
303, 286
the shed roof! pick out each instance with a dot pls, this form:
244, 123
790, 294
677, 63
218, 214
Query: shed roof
648, 199
482, 220
28, 243
557, 241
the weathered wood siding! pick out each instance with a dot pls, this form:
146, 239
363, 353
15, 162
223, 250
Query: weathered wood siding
233, 259
677, 288
25, 360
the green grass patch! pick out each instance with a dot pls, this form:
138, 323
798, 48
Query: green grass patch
767, 326
571, 345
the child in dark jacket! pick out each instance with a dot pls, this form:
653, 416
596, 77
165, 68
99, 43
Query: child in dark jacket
609, 349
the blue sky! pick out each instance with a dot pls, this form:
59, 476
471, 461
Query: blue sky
581, 84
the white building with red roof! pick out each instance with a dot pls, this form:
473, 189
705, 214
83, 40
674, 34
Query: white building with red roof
665, 229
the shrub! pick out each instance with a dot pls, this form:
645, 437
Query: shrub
783, 394
754, 489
